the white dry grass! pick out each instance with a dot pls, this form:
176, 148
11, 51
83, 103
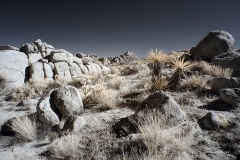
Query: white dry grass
25, 127
100, 95
65, 147
212, 70
156, 134
194, 82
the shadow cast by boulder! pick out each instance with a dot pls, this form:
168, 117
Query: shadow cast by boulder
218, 105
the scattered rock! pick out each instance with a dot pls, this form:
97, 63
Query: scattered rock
68, 100
230, 95
74, 124
125, 58
213, 121
221, 82
215, 43
228, 60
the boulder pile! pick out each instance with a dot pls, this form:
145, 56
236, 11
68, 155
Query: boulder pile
40, 61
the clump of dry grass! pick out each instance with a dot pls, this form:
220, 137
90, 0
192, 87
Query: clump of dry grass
100, 95
65, 147
194, 82
212, 70
25, 127
115, 82
33, 89
161, 141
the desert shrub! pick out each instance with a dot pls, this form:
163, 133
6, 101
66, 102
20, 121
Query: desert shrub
129, 70
115, 82
194, 82
33, 89
65, 147
100, 95
25, 127
212, 70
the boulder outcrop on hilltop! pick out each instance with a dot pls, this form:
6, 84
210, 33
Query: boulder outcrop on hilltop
40, 61
215, 43
125, 58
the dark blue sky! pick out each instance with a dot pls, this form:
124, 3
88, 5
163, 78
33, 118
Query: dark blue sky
112, 27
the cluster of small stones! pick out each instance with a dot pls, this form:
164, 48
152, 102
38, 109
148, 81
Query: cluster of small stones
47, 62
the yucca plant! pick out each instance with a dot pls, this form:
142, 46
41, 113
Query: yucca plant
181, 67
157, 58
158, 83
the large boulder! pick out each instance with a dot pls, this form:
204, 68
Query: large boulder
222, 82
213, 121
163, 103
61, 56
13, 66
83, 68
36, 71
28, 48
61, 69
48, 73
215, 43
75, 70
230, 95
33, 57
228, 60
47, 112
68, 101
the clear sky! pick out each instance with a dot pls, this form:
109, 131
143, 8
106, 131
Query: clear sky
112, 27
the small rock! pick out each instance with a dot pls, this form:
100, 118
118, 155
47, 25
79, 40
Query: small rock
230, 95
221, 82
213, 121
74, 124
